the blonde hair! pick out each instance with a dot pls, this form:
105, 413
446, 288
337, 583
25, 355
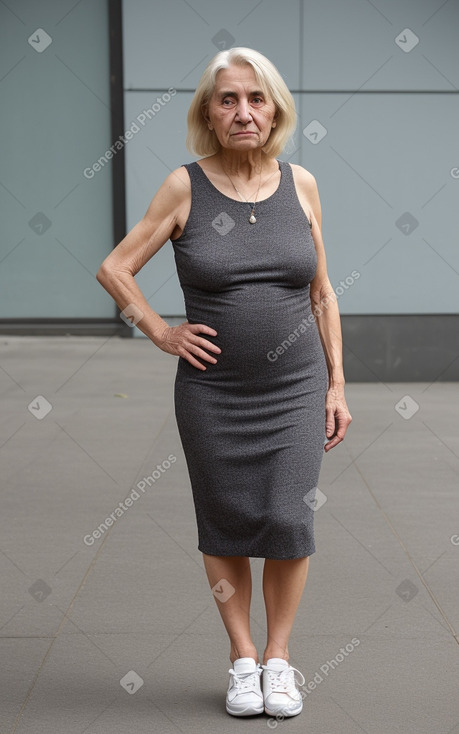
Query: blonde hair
202, 141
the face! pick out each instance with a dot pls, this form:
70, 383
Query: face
240, 115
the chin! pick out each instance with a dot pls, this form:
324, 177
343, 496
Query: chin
245, 143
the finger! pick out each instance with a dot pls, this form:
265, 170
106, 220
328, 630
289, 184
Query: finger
189, 349
329, 422
204, 343
340, 434
197, 352
202, 328
332, 443
209, 345
194, 362
198, 348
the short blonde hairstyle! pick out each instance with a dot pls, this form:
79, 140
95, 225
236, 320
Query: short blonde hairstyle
202, 141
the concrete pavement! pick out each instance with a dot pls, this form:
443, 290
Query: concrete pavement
107, 623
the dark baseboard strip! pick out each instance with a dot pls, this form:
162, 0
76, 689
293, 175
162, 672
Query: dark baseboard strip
64, 327
401, 348
376, 348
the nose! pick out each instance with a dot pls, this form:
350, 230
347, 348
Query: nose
243, 112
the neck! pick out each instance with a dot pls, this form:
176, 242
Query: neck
246, 164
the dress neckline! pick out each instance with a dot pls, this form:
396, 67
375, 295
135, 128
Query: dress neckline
239, 201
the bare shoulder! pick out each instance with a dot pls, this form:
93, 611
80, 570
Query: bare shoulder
308, 194
171, 203
304, 178
177, 185
172, 197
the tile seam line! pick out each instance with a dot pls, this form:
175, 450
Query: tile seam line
58, 632
89, 570
408, 555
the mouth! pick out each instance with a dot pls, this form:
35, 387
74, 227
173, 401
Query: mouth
245, 132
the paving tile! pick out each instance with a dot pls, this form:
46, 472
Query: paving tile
79, 613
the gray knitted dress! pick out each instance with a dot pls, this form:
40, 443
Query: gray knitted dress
252, 426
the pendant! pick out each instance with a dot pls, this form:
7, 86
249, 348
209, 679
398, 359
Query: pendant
252, 219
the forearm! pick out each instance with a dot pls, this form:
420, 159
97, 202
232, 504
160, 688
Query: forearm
122, 287
326, 313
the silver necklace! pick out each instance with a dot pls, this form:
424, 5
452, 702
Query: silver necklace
252, 218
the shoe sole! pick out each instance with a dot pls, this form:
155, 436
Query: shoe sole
245, 712
285, 713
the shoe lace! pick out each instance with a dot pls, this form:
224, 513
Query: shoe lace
284, 681
245, 682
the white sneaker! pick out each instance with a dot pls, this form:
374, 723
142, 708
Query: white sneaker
280, 693
244, 696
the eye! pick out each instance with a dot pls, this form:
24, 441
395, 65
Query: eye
257, 100
228, 102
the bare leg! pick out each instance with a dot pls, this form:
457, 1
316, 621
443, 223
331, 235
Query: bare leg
283, 585
235, 611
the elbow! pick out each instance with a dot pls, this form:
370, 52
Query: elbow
104, 274
317, 297
322, 298
314, 295
101, 276
110, 276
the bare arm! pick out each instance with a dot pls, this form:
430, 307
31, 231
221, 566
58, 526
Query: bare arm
166, 215
325, 309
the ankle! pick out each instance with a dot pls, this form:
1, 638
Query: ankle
275, 653
243, 651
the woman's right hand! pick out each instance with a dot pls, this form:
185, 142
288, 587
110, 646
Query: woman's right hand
185, 341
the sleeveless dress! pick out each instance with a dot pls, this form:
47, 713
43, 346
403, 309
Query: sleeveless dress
252, 426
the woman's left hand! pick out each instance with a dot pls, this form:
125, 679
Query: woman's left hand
337, 417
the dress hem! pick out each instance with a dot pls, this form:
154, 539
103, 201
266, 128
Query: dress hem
259, 555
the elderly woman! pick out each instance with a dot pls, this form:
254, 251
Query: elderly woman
259, 390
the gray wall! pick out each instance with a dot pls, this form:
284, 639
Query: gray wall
55, 121
387, 166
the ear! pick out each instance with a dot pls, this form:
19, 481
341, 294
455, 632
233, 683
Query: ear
205, 114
